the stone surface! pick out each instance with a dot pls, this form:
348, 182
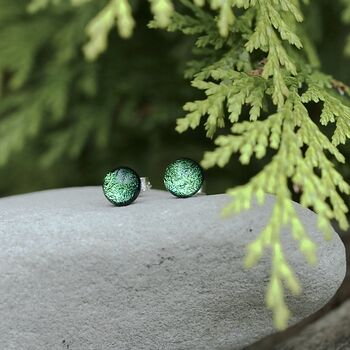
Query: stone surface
163, 273
332, 332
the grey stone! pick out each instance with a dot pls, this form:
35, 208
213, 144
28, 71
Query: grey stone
162, 273
332, 332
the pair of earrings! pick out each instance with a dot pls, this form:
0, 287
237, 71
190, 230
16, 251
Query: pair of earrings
183, 178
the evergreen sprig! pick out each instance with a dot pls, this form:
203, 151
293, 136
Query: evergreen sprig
289, 80
119, 13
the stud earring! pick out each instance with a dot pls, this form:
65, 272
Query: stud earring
123, 185
184, 178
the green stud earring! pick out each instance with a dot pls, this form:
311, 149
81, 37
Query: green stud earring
122, 186
183, 178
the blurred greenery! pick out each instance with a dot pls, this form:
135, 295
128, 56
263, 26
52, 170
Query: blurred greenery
65, 121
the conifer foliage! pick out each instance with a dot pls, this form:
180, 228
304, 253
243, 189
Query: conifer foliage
266, 63
259, 73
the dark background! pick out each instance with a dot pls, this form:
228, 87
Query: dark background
66, 122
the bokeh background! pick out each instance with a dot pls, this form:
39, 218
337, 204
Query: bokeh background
66, 121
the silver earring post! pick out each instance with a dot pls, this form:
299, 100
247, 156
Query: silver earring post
145, 184
201, 191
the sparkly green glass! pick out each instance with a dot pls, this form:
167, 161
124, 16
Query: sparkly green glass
183, 178
121, 186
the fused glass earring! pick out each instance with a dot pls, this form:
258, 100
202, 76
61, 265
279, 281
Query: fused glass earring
122, 186
183, 178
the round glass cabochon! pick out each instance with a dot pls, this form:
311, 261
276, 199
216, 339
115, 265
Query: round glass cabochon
121, 186
183, 177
